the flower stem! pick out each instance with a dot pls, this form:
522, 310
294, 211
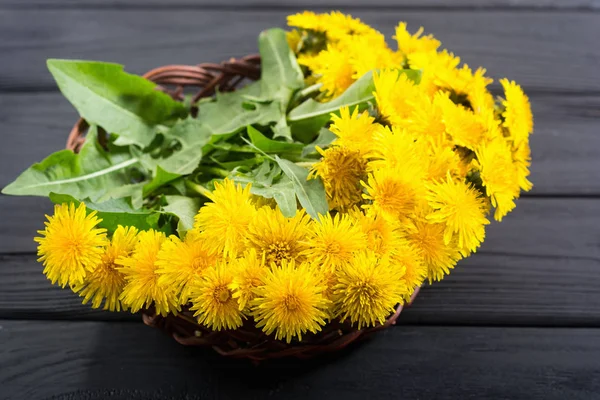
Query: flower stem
223, 173
201, 190
305, 164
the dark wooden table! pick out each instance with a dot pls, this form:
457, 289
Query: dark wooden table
520, 319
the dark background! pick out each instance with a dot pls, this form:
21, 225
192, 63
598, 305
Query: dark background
519, 319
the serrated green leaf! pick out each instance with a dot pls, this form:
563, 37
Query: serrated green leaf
160, 178
190, 135
260, 103
90, 174
184, 208
280, 73
269, 182
282, 129
282, 192
310, 193
132, 191
272, 146
232, 112
178, 154
116, 212
285, 196
121, 103
263, 175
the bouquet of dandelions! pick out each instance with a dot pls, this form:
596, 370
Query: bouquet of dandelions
296, 212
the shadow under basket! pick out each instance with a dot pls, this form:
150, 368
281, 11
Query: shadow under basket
247, 341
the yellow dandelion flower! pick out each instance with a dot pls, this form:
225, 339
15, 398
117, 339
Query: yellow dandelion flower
426, 119
408, 258
334, 240
105, 282
310, 61
307, 20
224, 221
478, 95
332, 68
491, 124
414, 43
463, 125
396, 149
213, 301
249, 272
395, 193
393, 93
142, 289
499, 176
439, 70
465, 81
339, 26
335, 25
428, 239
461, 208
71, 245
354, 131
290, 302
329, 281
341, 170
383, 237
518, 118
368, 289
522, 161
180, 262
276, 237
442, 161
370, 52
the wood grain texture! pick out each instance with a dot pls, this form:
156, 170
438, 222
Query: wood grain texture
93, 360
565, 145
539, 267
565, 59
313, 4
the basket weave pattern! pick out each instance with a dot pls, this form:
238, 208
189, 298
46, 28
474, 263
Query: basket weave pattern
246, 341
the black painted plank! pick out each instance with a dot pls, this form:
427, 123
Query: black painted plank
25, 293
540, 267
21, 217
33, 125
129, 361
565, 146
544, 51
313, 4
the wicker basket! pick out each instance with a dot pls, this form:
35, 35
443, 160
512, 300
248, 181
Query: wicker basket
246, 341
